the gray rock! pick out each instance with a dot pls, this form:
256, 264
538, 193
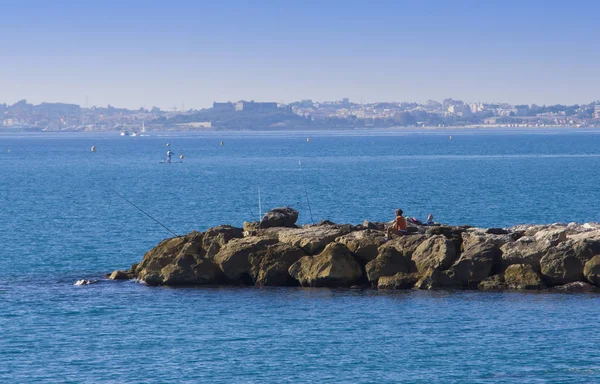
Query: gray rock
280, 217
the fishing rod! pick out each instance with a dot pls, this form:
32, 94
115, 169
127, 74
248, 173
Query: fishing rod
306, 192
259, 205
144, 212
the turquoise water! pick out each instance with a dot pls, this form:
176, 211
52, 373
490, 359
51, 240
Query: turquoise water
61, 221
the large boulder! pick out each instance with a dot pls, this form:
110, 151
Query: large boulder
120, 275
388, 262
270, 265
233, 258
188, 269
564, 263
522, 277
374, 225
312, 239
480, 255
554, 235
575, 287
492, 283
435, 253
586, 248
436, 279
165, 253
364, 244
215, 238
334, 267
406, 244
591, 270
453, 233
182, 260
525, 250
280, 217
400, 280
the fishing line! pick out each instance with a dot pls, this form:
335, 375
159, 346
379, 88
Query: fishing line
305, 192
144, 212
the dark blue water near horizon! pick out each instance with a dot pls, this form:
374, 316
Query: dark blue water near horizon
61, 221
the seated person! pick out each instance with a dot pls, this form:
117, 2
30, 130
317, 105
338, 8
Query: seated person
399, 226
429, 219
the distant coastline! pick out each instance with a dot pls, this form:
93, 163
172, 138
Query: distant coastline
301, 115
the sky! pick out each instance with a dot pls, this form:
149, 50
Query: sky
134, 54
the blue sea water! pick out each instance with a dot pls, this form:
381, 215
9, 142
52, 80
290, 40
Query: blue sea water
61, 221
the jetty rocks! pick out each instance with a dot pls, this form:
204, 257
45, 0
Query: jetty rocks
277, 252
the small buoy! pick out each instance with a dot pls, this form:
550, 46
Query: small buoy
93, 148
222, 143
181, 156
308, 140
450, 137
168, 144
9, 151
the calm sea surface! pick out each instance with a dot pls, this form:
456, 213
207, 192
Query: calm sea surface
61, 220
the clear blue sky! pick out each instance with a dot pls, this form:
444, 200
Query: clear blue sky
145, 53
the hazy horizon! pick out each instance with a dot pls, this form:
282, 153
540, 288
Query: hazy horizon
134, 54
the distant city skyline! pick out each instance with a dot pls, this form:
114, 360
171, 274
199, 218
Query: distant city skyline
134, 54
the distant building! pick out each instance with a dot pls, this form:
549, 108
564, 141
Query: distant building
596, 111
459, 110
223, 106
253, 106
476, 107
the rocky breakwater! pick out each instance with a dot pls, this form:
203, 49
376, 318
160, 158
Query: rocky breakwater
277, 252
